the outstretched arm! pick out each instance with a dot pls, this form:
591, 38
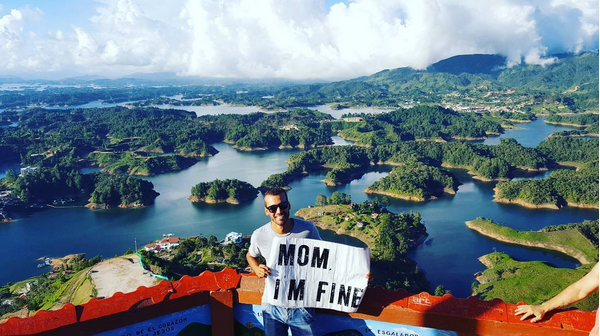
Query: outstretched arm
575, 292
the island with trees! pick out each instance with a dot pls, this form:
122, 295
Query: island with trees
389, 236
421, 122
415, 182
345, 163
230, 191
564, 187
148, 141
102, 191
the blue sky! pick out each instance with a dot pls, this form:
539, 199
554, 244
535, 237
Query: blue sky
293, 39
58, 14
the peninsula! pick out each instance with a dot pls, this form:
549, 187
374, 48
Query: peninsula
573, 240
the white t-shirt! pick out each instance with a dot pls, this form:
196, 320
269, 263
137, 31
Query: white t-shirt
262, 238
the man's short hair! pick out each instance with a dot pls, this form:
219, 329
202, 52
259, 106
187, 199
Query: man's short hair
276, 191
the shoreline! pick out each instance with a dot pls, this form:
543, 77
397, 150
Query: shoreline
103, 206
403, 197
565, 124
569, 251
234, 201
525, 204
543, 205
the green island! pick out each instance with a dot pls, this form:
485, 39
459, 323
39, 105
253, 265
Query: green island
149, 141
345, 163
135, 164
574, 188
415, 182
223, 191
297, 128
102, 191
579, 240
422, 122
533, 282
389, 236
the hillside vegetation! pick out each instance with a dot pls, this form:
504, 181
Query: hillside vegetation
579, 241
563, 188
533, 282
389, 236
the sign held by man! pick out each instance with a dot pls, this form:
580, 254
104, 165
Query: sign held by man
317, 274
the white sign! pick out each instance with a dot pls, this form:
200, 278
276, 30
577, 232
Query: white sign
317, 274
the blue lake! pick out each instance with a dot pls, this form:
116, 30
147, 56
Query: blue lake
448, 256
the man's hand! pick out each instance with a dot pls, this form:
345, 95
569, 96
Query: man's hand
528, 311
262, 271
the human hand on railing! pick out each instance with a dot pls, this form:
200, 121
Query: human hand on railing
531, 310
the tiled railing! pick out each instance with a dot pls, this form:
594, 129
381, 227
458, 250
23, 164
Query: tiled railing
222, 291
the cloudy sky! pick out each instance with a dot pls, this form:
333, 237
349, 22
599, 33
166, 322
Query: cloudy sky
292, 39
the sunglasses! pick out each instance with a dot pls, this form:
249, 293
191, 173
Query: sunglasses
282, 206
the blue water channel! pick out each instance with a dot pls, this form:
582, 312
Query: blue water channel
448, 256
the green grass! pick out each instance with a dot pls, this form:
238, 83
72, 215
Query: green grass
74, 287
50, 300
570, 237
83, 293
532, 282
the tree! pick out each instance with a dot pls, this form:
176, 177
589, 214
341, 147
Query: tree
321, 200
440, 291
11, 176
339, 198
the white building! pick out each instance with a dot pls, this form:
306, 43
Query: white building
232, 237
28, 170
165, 244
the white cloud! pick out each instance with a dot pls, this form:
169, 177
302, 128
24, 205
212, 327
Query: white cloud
297, 38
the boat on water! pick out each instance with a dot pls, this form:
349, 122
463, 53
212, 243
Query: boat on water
47, 262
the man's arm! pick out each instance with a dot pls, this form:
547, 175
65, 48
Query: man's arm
261, 270
575, 292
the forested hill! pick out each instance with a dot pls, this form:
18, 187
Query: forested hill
569, 84
469, 71
571, 77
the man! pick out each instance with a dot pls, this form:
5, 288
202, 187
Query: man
277, 207
575, 292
